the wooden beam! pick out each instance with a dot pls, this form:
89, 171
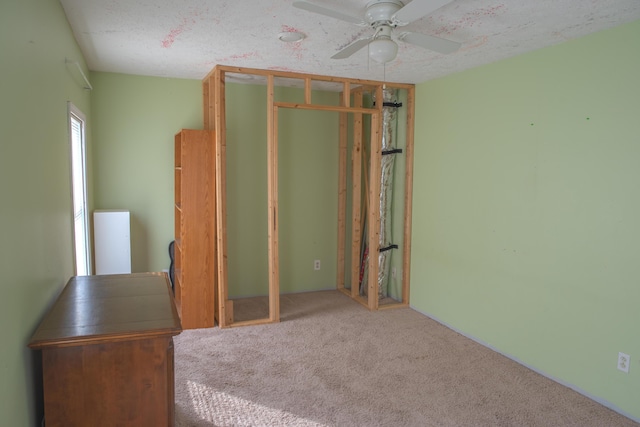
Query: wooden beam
252, 322
346, 94
272, 194
307, 90
408, 195
336, 108
221, 196
205, 104
229, 312
314, 77
362, 300
356, 197
342, 197
208, 91
374, 200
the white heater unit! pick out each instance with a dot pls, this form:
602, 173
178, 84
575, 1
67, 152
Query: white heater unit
112, 237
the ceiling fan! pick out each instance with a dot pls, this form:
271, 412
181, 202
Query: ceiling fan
383, 16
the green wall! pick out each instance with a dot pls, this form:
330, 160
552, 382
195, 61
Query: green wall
526, 207
135, 120
246, 189
36, 216
308, 164
308, 198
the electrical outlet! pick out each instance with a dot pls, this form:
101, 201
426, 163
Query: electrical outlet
623, 362
316, 264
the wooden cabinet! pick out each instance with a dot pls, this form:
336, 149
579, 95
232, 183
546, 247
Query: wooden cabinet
194, 282
107, 352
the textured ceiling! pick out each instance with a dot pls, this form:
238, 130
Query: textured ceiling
187, 38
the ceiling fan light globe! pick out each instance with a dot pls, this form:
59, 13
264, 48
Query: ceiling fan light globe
383, 50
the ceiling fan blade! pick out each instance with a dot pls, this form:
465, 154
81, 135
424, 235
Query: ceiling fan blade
416, 10
351, 49
430, 42
301, 4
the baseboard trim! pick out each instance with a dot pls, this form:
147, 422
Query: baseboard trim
573, 387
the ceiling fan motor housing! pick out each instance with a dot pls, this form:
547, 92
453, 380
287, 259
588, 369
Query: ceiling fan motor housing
380, 12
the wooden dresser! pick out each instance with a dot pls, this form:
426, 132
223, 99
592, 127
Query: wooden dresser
107, 352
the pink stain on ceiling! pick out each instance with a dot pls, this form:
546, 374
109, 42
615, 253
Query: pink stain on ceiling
469, 20
183, 38
186, 24
296, 50
239, 57
290, 29
168, 41
245, 55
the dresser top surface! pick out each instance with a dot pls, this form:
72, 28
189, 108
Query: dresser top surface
106, 308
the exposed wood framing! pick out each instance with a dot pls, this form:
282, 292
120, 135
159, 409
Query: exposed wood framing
219, 124
303, 76
346, 95
408, 197
373, 231
307, 90
356, 197
352, 93
206, 104
342, 198
272, 172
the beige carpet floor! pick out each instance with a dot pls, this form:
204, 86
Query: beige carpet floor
331, 362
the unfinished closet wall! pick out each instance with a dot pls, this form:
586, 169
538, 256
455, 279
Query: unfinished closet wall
320, 193
393, 209
398, 217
